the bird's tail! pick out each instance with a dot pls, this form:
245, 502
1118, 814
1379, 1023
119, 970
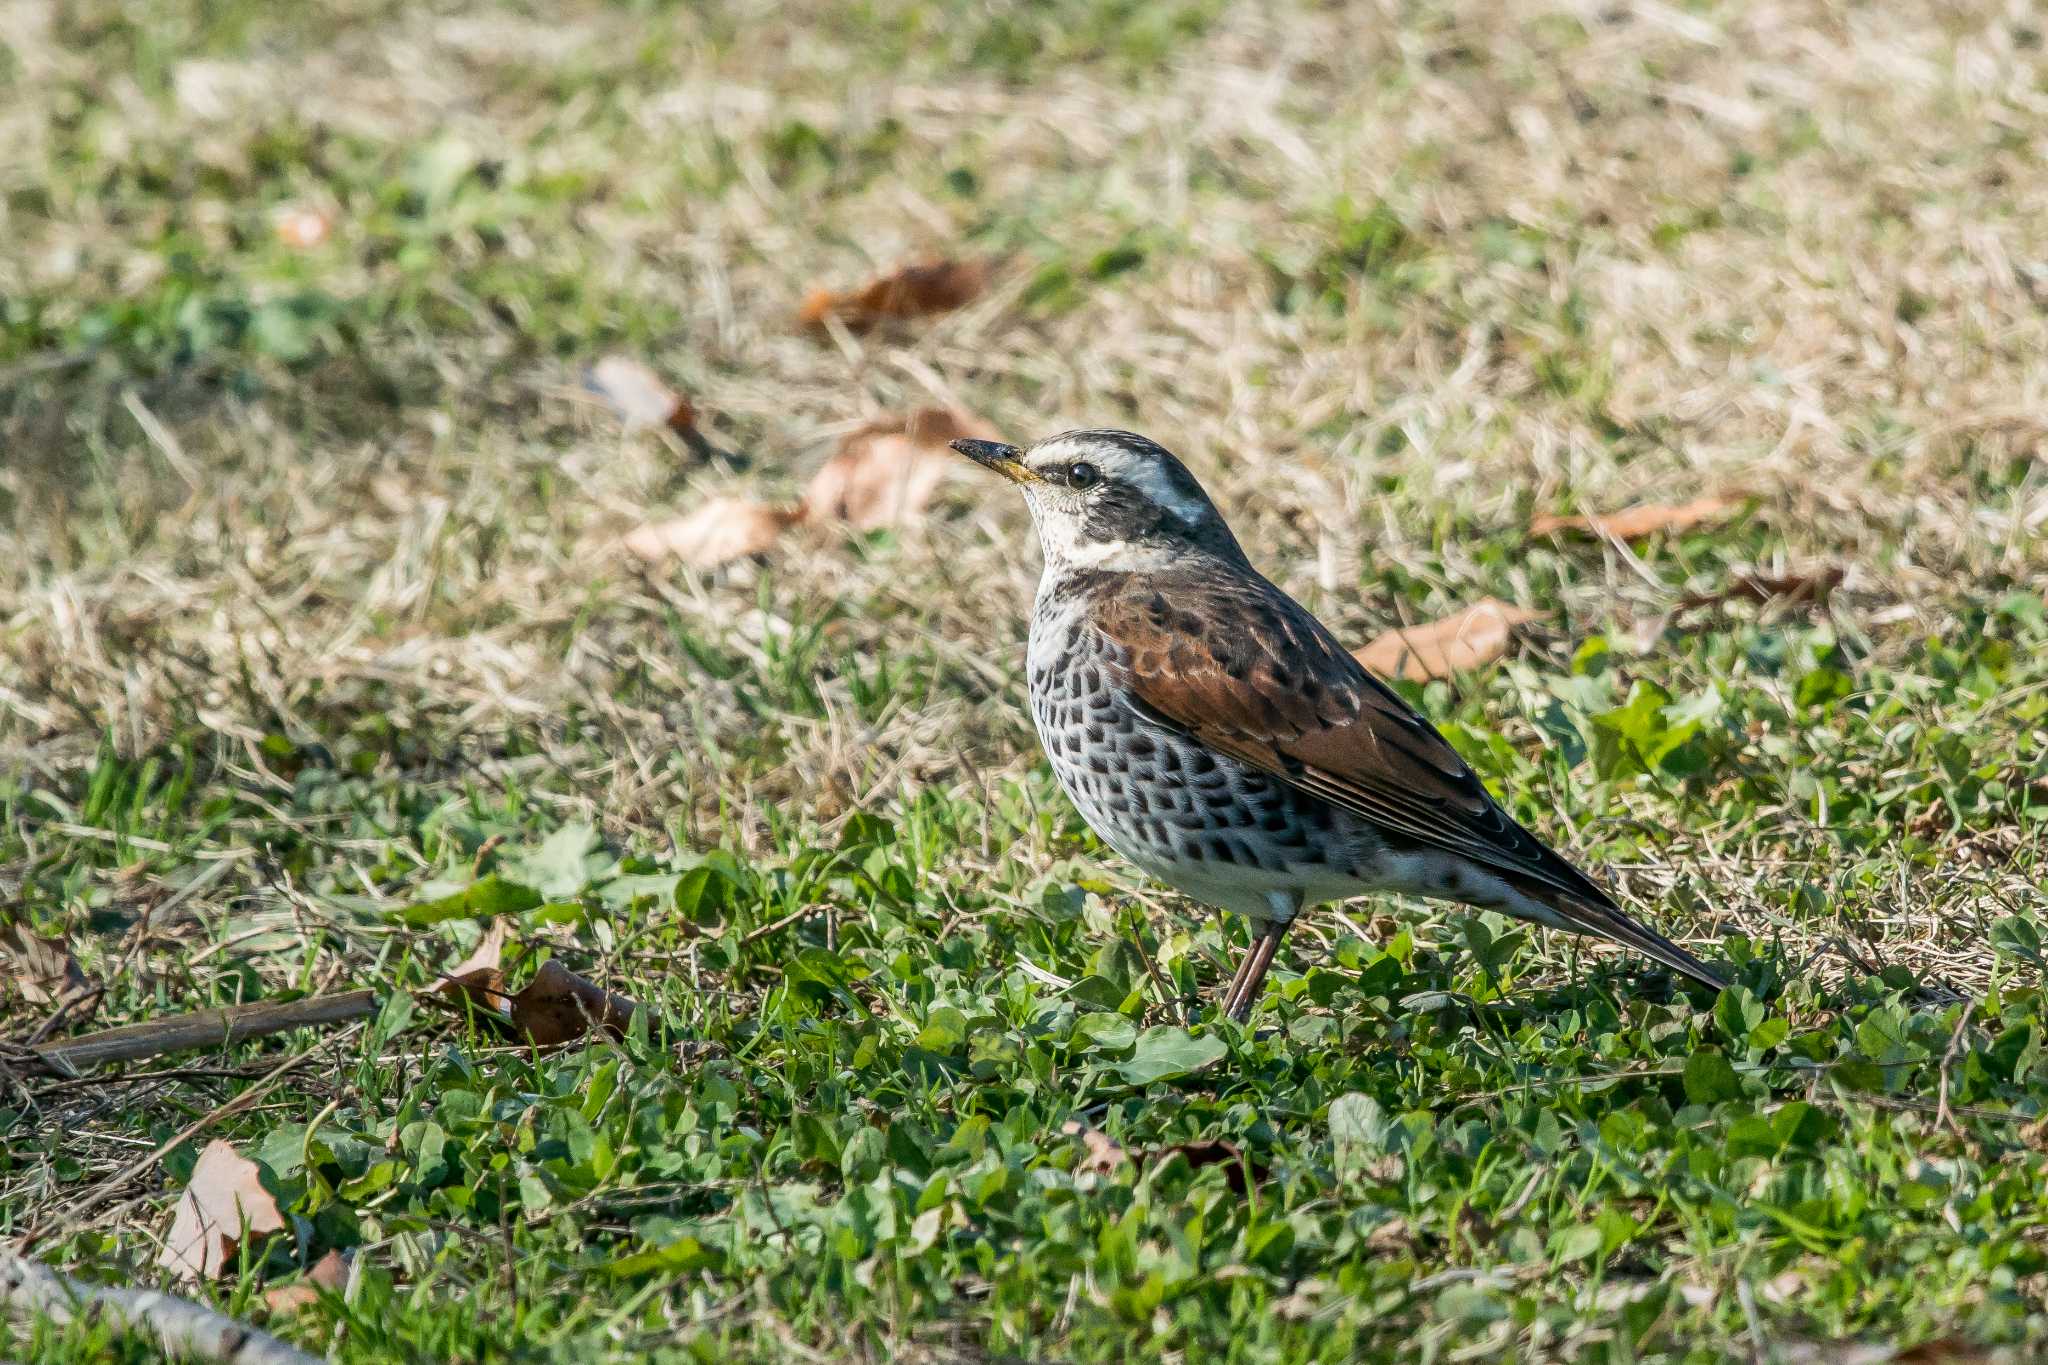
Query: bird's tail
1602, 918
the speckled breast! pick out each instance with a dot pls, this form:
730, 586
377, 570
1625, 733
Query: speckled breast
1195, 819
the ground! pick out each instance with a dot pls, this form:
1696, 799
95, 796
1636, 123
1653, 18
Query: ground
314, 610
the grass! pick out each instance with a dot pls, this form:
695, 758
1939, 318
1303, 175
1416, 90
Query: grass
313, 612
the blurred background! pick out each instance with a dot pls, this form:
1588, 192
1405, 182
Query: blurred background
427, 427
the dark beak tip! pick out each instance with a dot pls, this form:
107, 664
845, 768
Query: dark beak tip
963, 446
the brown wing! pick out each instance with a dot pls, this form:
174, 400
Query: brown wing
1246, 669
1243, 667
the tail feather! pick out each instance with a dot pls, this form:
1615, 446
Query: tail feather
1602, 918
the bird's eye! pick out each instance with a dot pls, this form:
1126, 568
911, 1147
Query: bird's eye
1083, 475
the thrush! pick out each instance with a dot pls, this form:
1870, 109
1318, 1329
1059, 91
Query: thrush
1215, 733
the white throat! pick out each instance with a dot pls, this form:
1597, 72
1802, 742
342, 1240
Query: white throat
1065, 550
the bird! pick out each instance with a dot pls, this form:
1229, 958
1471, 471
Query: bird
1212, 731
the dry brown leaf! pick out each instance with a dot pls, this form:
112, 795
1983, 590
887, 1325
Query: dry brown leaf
486, 962
1477, 635
1812, 586
914, 291
638, 395
44, 970
224, 1199
1645, 519
330, 1272
1103, 1155
720, 531
885, 473
557, 1006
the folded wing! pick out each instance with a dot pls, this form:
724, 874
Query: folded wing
1241, 666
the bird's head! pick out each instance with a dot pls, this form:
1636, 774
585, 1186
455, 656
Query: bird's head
1109, 500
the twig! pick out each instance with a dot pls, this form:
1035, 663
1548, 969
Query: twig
1943, 1118
1041, 975
756, 935
161, 436
22, 369
185, 1329
1167, 995
202, 1028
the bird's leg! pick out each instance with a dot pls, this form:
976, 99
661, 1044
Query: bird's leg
1251, 973
1244, 967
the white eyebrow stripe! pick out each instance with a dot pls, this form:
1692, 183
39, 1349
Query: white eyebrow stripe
1121, 464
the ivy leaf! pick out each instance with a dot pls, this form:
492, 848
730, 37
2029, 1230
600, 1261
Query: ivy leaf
564, 863
1709, 1078
1164, 1052
481, 899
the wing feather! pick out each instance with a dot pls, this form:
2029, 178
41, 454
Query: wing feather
1239, 665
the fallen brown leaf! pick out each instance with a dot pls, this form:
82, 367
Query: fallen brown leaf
885, 473
1812, 586
557, 1006
1103, 1155
720, 531
330, 1272
1645, 519
487, 961
638, 395
914, 291
1477, 635
224, 1200
44, 970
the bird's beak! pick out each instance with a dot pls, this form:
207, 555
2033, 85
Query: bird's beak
1007, 461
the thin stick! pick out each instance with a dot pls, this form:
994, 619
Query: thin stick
187, 1330
755, 936
201, 1028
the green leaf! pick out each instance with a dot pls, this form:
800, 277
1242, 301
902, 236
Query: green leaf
1098, 991
1822, 686
1576, 1243
562, 864
682, 1255
1616, 1228
1737, 1011
945, 1031
1164, 1052
1105, 1032
2018, 936
1709, 1078
822, 966
1638, 735
1269, 1245
620, 892
1769, 1034
1359, 1121
481, 899
701, 893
